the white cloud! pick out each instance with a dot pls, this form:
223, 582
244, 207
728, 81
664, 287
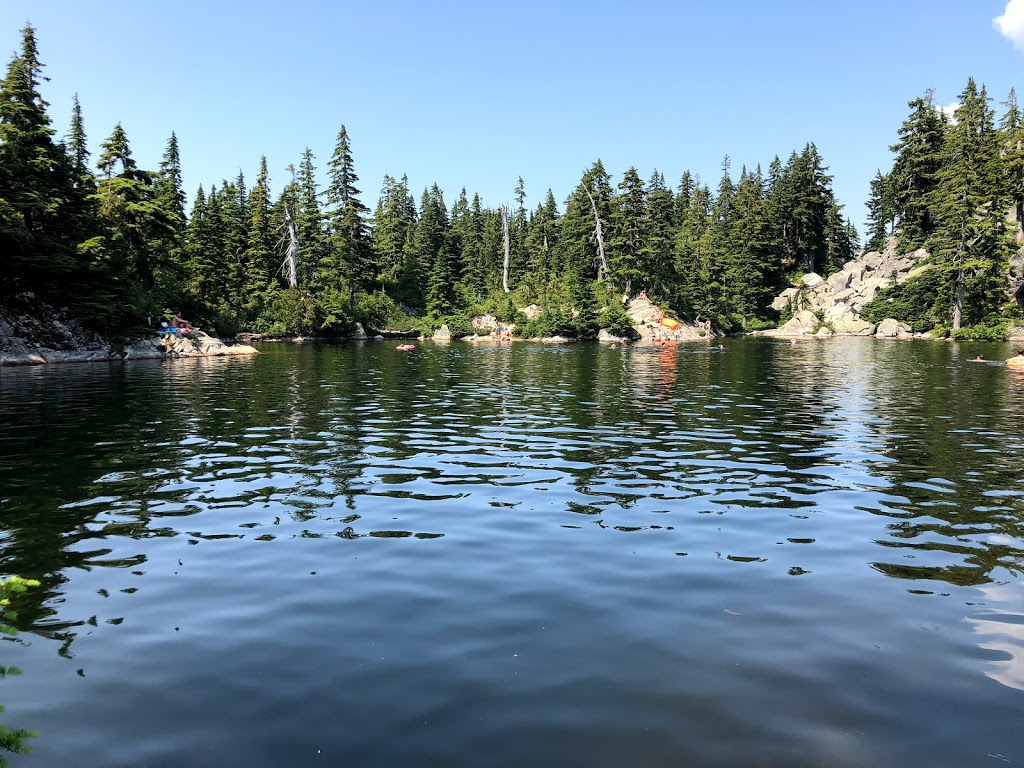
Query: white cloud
949, 110
1011, 23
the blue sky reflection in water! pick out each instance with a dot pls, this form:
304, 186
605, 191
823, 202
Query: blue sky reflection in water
528, 555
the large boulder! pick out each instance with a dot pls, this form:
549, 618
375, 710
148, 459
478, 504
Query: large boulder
811, 280
611, 338
891, 329
802, 323
853, 327
486, 323
442, 334
783, 299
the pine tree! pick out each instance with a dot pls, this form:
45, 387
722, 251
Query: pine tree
881, 212
914, 175
969, 201
310, 223
78, 151
260, 262
37, 182
137, 227
656, 251
433, 257
630, 220
694, 257
351, 256
394, 221
1011, 129
750, 267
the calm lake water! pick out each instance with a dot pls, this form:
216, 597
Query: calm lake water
764, 555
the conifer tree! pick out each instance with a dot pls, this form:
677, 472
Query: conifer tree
881, 212
656, 251
969, 201
136, 226
914, 175
1011, 128
630, 220
260, 262
36, 177
394, 222
78, 151
351, 255
750, 267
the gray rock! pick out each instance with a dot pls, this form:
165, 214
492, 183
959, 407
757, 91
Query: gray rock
840, 281
811, 280
783, 298
891, 329
802, 323
442, 334
853, 327
603, 335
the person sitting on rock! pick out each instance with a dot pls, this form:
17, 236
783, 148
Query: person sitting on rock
183, 326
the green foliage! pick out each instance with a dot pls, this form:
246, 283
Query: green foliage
551, 322
615, 320
14, 740
916, 302
380, 311
760, 325
981, 332
297, 312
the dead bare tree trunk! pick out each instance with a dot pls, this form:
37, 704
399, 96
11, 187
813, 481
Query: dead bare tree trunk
504, 232
291, 255
602, 267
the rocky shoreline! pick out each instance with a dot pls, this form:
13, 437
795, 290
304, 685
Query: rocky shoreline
32, 333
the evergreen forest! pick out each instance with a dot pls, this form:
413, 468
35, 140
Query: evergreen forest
116, 243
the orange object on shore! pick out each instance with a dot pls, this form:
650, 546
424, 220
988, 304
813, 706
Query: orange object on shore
669, 323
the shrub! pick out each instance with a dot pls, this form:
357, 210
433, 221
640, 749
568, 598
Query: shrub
550, 322
615, 320
997, 332
756, 324
297, 312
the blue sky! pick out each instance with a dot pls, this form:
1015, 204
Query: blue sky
478, 94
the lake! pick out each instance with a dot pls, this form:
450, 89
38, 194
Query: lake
520, 555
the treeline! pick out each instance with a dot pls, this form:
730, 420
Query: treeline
953, 182
115, 243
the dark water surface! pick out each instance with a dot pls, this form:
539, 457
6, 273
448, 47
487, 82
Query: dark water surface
520, 556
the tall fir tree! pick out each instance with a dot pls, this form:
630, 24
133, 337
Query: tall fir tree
37, 178
969, 201
351, 260
914, 175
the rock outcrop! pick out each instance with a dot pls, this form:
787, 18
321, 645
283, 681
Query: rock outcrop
893, 329
647, 317
34, 333
839, 299
173, 345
